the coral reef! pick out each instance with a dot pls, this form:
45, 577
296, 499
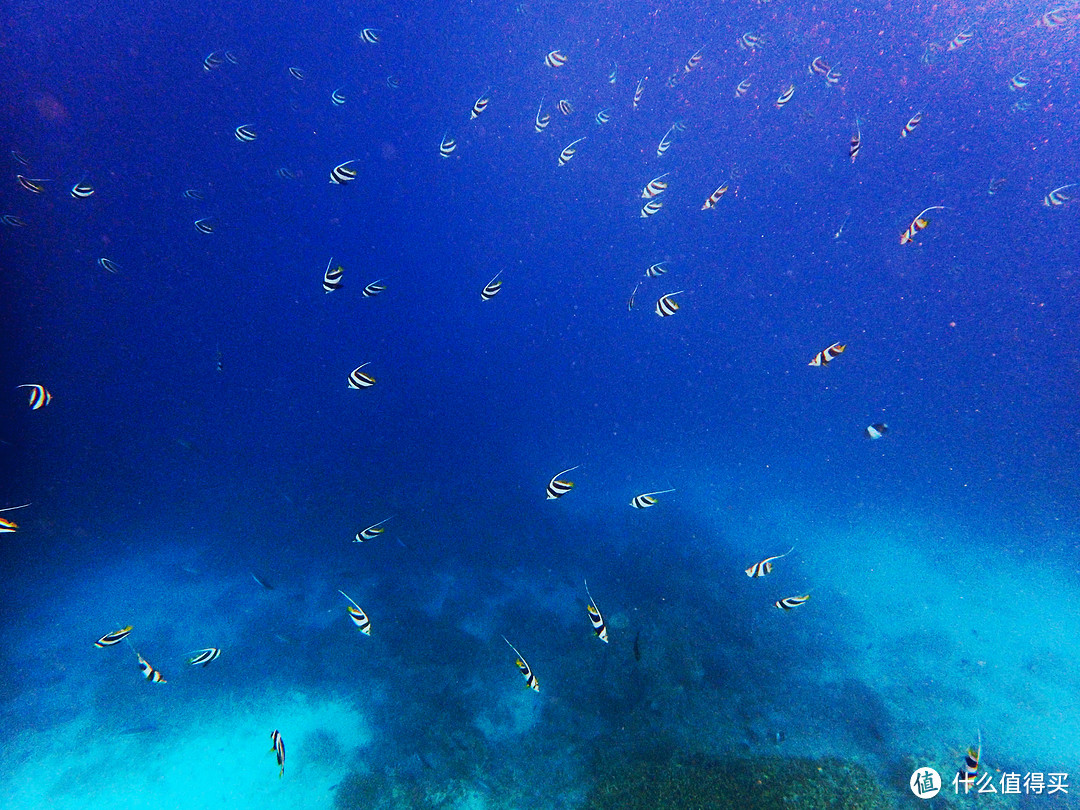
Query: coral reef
763, 783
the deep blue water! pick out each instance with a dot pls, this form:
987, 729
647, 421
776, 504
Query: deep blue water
964, 342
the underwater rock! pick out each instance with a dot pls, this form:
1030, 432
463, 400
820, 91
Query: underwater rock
759, 783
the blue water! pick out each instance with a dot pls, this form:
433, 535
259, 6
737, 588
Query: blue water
201, 429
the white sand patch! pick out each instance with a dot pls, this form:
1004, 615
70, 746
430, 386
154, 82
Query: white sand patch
223, 761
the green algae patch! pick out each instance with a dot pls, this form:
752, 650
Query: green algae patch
766, 783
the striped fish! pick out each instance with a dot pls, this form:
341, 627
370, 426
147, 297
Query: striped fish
337, 97
342, 174
655, 186
565, 107
791, 602
491, 289
856, 141
917, 224
913, 122
286, 173
296, 73
526, 671
557, 488
639, 91
358, 617
714, 198
108, 265
204, 657
743, 88
358, 379
785, 97
961, 39
826, 356
374, 288
650, 208
819, 67
568, 152
1019, 82
597, 620
480, 105
151, 674
245, 133
331, 279
603, 116
876, 430
212, 60
665, 142
204, 225
13, 221
279, 745
760, 569
614, 75
82, 190
1057, 197
31, 184
647, 499
115, 637
970, 770
39, 395
8, 526
655, 270
556, 59
542, 120
693, 61
630, 303
194, 194
371, 532
666, 306
447, 145
370, 36
393, 82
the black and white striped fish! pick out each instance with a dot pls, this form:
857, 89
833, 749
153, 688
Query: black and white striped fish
970, 770
876, 430
597, 620
1058, 197
108, 265
827, 355
523, 667
654, 270
791, 602
714, 198
480, 105
358, 379
760, 569
370, 36
374, 288
371, 532
542, 118
296, 73
665, 142
204, 657
337, 97
603, 116
647, 499
31, 184
565, 107
204, 225
650, 208
639, 91
331, 279
743, 88
557, 488
149, 672
115, 637
13, 221
245, 133
358, 617
342, 174
82, 190
568, 152
279, 750
666, 306
913, 122
447, 145
491, 289
556, 59
658, 185
39, 395
785, 97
